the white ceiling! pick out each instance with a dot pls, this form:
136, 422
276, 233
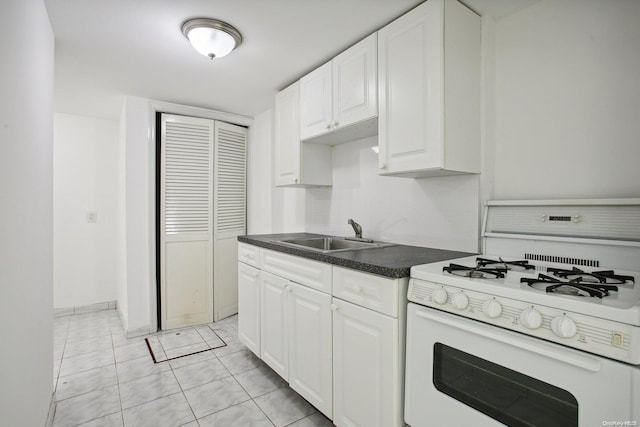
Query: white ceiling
109, 48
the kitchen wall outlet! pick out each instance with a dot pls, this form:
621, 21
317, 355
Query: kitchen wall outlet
92, 217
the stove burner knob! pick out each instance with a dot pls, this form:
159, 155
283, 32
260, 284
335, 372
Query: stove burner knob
459, 301
564, 326
439, 296
492, 308
531, 318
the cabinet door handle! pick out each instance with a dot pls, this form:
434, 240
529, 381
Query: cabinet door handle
328, 126
358, 288
295, 180
382, 166
334, 307
335, 124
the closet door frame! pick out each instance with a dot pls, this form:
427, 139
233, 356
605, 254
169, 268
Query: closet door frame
151, 119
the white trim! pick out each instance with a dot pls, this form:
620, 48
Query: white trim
566, 202
185, 110
52, 410
138, 332
583, 241
90, 308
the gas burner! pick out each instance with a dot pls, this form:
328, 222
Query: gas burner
518, 265
574, 287
606, 276
477, 272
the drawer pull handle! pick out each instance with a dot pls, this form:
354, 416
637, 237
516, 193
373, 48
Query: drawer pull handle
358, 288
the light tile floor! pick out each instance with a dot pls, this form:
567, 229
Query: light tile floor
104, 379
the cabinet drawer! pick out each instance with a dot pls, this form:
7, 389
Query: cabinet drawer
367, 290
307, 272
249, 254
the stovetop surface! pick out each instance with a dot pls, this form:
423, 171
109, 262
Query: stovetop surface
622, 305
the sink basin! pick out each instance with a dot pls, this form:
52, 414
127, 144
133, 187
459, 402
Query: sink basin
332, 244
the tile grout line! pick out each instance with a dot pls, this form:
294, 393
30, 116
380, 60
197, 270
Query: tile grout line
115, 365
80, 372
182, 391
253, 399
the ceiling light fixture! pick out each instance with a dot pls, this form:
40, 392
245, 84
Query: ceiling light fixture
211, 37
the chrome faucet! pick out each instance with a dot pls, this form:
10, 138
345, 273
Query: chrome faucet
357, 228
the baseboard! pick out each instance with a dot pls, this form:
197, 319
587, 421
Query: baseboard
52, 411
101, 306
133, 333
138, 332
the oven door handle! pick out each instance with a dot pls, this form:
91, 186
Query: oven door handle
535, 346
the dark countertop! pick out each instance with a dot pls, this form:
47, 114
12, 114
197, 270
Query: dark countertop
390, 261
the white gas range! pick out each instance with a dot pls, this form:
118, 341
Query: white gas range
556, 288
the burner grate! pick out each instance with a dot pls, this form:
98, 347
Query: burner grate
477, 272
574, 287
520, 265
606, 276
563, 260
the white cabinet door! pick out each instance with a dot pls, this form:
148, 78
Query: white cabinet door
429, 92
315, 102
367, 368
341, 93
297, 163
287, 133
274, 331
310, 353
249, 307
355, 83
410, 67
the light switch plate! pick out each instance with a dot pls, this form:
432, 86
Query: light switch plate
92, 217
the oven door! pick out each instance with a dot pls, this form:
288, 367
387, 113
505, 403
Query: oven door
467, 373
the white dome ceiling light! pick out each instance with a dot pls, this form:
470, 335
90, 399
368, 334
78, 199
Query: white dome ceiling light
211, 37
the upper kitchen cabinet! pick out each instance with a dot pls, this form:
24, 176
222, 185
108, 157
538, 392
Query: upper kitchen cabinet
429, 92
338, 101
297, 163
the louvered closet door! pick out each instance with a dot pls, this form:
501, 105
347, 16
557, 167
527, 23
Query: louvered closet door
186, 233
229, 214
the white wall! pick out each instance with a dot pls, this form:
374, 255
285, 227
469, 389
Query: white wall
85, 166
259, 176
270, 209
568, 100
139, 215
26, 225
434, 212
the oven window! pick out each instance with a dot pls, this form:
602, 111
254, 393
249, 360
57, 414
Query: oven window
503, 394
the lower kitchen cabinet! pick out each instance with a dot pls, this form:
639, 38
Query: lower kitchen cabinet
310, 354
273, 315
367, 369
249, 306
335, 334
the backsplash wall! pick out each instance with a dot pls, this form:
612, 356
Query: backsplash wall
437, 212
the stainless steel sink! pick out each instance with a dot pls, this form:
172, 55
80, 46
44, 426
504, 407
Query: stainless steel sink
332, 244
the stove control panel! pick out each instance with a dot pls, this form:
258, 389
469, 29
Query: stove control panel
611, 339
